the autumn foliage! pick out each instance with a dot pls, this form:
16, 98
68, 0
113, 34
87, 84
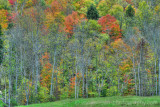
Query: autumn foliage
46, 70
129, 1
110, 25
12, 2
3, 18
54, 14
72, 84
70, 21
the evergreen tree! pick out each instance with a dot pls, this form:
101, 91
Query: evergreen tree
1, 45
130, 12
92, 13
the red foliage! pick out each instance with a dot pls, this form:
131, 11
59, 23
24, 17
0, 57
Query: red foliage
11, 17
12, 2
70, 21
46, 70
110, 25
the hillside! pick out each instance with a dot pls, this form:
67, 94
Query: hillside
52, 50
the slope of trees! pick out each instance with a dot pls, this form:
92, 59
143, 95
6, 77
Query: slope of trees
59, 49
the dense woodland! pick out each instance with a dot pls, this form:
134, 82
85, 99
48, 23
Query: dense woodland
57, 49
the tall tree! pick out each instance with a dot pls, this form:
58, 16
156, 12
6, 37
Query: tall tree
130, 12
92, 13
1, 45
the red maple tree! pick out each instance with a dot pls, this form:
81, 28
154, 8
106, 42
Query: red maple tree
110, 25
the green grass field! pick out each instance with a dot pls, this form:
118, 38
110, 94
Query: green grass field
117, 101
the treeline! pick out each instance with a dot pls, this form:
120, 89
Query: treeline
57, 49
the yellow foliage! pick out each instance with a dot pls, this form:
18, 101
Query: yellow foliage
49, 19
3, 19
29, 3
157, 8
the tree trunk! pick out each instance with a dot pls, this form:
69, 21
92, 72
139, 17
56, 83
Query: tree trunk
139, 80
76, 77
135, 77
54, 62
159, 75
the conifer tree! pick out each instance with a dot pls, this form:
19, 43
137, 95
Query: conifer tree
92, 13
130, 12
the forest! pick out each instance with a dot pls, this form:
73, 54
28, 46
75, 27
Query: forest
53, 50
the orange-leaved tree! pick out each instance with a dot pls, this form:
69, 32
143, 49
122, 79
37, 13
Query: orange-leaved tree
46, 70
72, 85
54, 14
70, 21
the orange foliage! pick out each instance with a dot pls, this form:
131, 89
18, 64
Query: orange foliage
70, 21
148, 71
129, 82
55, 7
54, 14
72, 84
3, 18
46, 70
119, 44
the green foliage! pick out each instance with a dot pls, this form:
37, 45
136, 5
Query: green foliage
114, 101
104, 91
13, 102
96, 50
2, 104
43, 94
4, 4
157, 9
116, 11
10, 25
92, 27
130, 12
92, 13
92, 94
112, 91
43, 3
1, 45
103, 8
144, 15
104, 38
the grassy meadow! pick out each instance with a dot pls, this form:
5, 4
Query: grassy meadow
116, 101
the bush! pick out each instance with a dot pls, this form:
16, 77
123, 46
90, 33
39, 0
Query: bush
92, 94
44, 94
13, 102
2, 104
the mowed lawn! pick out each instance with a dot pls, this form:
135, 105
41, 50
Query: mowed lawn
116, 101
